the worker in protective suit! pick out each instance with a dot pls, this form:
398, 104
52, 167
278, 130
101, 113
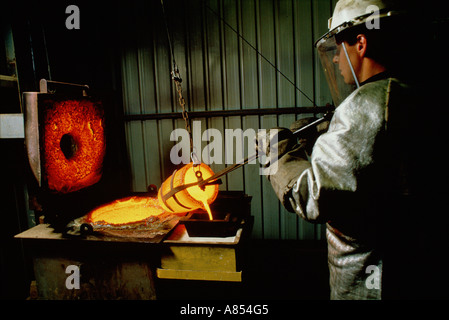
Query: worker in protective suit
359, 176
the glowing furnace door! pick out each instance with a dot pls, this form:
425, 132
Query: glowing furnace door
66, 141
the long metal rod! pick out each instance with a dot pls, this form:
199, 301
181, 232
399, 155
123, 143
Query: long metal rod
229, 169
43, 85
229, 113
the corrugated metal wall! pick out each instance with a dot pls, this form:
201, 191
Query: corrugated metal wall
221, 71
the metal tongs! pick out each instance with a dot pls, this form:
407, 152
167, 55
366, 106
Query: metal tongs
214, 179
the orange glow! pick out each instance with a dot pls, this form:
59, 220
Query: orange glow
125, 211
209, 212
190, 198
73, 144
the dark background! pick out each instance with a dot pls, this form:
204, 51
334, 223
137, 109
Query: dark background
45, 48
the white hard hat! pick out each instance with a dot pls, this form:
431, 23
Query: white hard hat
349, 13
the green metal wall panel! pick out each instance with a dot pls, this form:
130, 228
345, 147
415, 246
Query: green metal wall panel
221, 71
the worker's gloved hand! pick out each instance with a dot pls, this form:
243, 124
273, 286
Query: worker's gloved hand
285, 156
282, 161
274, 142
308, 138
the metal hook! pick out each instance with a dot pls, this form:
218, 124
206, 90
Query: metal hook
194, 158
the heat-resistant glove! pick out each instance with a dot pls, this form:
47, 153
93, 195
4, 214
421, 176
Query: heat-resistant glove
309, 137
282, 161
274, 142
285, 156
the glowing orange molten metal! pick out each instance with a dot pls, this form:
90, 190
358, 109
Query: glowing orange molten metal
73, 144
190, 198
125, 211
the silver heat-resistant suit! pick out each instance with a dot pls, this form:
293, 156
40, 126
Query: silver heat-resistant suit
357, 181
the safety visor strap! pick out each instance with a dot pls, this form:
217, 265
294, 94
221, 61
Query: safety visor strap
350, 65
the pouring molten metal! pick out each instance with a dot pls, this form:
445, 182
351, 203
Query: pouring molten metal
157, 213
191, 198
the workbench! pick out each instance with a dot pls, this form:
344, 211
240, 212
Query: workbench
113, 268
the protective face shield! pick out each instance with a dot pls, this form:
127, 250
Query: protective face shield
339, 71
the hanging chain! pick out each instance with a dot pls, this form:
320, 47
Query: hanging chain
185, 115
178, 80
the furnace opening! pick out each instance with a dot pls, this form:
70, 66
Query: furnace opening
68, 146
